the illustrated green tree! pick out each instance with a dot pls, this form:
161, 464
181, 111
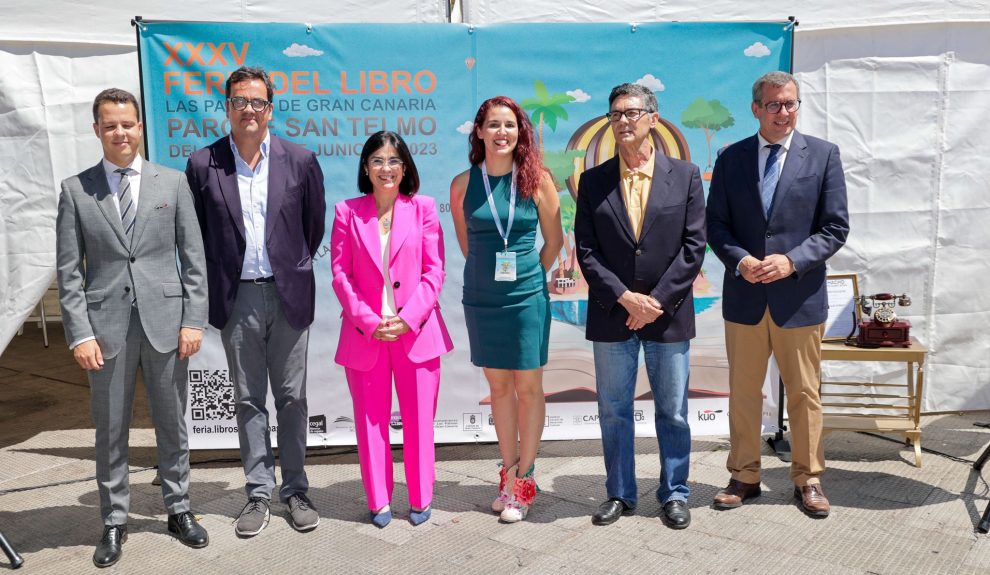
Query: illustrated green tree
710, 116
546, 107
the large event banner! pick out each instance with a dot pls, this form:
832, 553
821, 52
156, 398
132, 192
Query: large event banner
337, 84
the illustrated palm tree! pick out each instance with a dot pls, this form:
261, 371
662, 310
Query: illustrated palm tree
546, 107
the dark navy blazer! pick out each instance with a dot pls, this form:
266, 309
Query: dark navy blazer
664, 261
294, 225
808, 223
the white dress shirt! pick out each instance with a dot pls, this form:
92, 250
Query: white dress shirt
252, 185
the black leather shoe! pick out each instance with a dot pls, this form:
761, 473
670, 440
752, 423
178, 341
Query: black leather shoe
676, 514
187, 530
610, 511
109, 550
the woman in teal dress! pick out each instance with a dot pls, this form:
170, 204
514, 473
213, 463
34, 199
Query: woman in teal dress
496, 206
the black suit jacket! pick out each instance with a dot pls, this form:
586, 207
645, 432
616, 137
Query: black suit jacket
294, 225
663, 262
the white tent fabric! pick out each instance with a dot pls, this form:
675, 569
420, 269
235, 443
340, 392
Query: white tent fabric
902, 87
107, 22
812, 15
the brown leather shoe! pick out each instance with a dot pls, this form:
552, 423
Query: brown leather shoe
735, 494
813, 500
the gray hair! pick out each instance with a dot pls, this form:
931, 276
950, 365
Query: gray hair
649, 98
775, 79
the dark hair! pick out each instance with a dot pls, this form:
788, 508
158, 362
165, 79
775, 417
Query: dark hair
250, 73
117, 96
529, 160
410, 176
637, 90
775, 79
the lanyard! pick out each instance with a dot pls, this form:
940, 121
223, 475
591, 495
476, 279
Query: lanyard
491, 203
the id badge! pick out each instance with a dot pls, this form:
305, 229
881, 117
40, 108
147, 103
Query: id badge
505, 266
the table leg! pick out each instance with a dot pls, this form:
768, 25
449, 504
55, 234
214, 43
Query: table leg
914, 438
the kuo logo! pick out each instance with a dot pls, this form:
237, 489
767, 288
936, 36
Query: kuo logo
708, 414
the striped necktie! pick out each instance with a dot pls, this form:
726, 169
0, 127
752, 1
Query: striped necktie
771, 175
127, 207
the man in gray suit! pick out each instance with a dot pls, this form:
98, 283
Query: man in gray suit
128, 300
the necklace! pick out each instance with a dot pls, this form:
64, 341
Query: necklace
387, 224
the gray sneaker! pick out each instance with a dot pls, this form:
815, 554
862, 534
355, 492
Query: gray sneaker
302, 515
253, 518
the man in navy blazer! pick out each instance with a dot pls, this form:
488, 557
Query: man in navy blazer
261, 208
640, 231
776, 213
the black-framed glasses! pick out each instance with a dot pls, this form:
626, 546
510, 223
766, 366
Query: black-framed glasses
631, 114
240, 102
775, 107
379, 163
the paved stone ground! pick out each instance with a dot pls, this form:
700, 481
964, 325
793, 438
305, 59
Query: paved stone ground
888, 517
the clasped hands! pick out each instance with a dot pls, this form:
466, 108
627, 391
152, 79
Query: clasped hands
643, 309
772, 268
390, 328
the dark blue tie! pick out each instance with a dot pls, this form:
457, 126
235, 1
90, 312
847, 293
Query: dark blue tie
771, 175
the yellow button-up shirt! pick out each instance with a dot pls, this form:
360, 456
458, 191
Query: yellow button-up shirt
636, 185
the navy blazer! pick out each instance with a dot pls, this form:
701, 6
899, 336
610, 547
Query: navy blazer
294, 225
808, 223
664, 261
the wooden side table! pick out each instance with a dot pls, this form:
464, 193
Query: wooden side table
902, 399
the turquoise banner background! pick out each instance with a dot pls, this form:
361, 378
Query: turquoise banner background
337, 84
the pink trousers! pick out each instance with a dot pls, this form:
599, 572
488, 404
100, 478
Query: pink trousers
371, 391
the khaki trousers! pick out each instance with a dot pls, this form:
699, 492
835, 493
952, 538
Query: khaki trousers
798, 354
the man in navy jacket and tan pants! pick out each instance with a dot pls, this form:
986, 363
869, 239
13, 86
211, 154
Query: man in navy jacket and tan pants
776, 213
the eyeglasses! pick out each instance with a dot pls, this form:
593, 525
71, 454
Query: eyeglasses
240, 102
632, 114
379, 163
790, 106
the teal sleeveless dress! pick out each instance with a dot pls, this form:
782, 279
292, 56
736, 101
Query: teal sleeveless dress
508, 323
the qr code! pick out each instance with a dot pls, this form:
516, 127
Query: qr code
211, 394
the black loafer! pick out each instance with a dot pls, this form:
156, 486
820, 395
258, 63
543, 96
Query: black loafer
187, 530
110, 548
610, 511
676, 514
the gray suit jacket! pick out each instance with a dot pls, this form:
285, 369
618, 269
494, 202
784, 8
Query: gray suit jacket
99, 274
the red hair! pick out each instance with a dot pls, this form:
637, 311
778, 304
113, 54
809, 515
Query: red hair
529, 161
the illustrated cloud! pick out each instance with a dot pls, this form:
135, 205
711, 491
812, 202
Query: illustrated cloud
301, 51
465, 128
579, 95
757, 50
651, 82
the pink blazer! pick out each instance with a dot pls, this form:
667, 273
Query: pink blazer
415, 266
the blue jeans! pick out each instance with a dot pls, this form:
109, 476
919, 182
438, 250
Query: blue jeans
667, 367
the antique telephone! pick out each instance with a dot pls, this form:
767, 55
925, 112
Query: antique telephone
881, 328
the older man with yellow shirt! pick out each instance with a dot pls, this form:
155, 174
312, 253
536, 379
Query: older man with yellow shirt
640, 231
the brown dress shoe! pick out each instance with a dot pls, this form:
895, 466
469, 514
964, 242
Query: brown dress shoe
813, 500
735, 494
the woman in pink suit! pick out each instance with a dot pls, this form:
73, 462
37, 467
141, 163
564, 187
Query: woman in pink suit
387, 261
